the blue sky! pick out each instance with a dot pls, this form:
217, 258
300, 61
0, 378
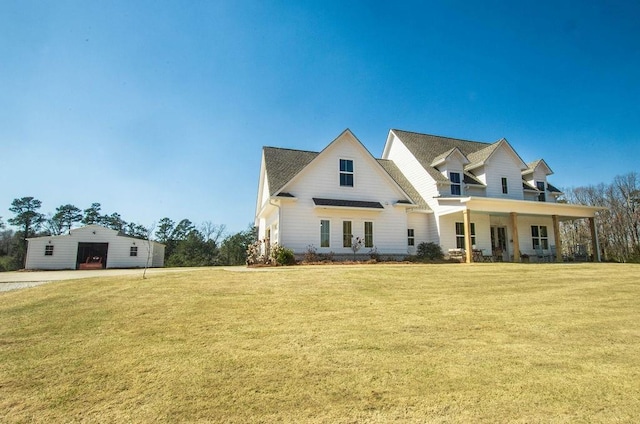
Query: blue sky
160, 108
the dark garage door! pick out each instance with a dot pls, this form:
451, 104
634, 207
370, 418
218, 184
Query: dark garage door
92, 255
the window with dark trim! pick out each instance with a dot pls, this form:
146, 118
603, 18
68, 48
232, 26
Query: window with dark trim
505, 187
456, 188
368, 234
539, 237
542, 197
325, 233
346, 173
48, 250
347, 235
460, 235
133, 251
411, 240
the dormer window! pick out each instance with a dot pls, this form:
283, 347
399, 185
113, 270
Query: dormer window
454, 177
541, 186
346, 173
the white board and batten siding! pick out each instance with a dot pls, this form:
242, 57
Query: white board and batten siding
65, 249
300, 219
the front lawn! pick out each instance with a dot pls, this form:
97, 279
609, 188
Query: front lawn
375, 343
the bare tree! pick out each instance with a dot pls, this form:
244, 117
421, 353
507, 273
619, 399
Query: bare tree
150, 230
212, 231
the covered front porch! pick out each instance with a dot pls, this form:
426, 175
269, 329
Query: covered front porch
509, 230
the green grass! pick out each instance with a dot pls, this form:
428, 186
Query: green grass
371, 344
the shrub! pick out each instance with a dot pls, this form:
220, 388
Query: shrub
281, 255
311, 254
429, 251
326, 257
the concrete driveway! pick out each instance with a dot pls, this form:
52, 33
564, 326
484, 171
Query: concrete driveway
24, 279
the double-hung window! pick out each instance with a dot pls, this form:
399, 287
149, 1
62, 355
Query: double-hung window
346, 173
411, 239
347, 235
325, 233
368, 234
541, 186
133, 251
460, 235
539, 237
456, 188
505, 186
48, 250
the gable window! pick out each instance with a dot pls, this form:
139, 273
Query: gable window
411, 239
454, 177
368, 234
460, 234
133, 251
540, 186
48, 250
346, 173
325, 231
539, 237
346, 234
505, 187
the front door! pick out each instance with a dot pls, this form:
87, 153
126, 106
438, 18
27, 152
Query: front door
499, 243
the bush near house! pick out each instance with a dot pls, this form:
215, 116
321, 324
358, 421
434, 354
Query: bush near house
429, 251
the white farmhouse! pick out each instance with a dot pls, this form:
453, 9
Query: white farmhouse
93, 247
476, 200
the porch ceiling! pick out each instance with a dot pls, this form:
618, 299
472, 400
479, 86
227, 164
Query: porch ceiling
564, 211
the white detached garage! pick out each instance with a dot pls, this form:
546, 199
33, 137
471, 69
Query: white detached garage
93, 247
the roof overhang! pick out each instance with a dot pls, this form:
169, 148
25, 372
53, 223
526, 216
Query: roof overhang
564, 211
347, 204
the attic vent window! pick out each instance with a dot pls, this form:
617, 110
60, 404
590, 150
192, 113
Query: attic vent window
346, 173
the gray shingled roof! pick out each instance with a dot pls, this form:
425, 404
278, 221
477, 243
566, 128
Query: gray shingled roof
552, 188
427, 147
481, 155
284, 164
469, 178
397, 175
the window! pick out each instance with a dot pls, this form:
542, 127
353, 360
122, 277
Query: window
325, 231
48, 250
133, 251
539, 237
540, 186
346, 173
411, 240
454, 177
346, 234
460, 235
505, 187
368, 234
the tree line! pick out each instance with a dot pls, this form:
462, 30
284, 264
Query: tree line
618, 225
187, 244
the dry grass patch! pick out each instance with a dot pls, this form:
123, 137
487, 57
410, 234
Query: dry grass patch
378, 343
